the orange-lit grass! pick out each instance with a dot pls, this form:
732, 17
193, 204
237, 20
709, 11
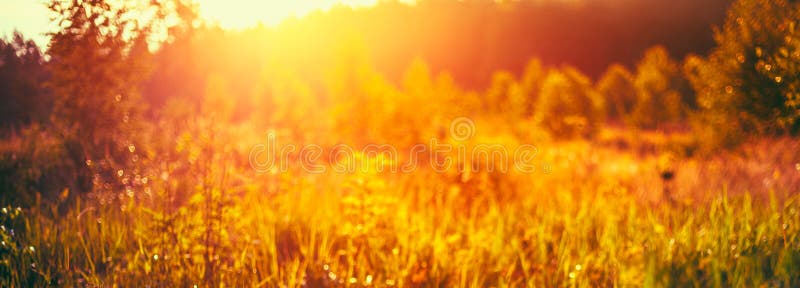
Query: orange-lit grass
425, 229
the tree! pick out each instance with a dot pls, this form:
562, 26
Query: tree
98, 57
662, 97
502, 93
531, 85
218, 104
568, 105
751, 81
417, 107
617, 87
283, 100
180, 66
23, 99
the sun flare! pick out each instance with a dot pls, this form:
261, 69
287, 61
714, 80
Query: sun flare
238, 14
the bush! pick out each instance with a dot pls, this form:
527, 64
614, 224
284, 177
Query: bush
36, 161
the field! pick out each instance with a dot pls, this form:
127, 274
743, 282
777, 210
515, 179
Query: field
598, 216
427, 144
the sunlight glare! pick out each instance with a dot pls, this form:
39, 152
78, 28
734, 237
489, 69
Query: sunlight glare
239, 14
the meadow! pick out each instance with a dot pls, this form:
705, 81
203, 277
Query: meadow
672, 173
597, 217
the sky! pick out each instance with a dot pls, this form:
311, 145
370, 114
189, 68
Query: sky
32, 18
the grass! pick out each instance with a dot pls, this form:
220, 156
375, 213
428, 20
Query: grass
596, 220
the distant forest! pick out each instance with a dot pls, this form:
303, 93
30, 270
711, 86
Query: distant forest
472, 39
468, 40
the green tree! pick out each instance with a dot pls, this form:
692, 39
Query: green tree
751, 81
568, 105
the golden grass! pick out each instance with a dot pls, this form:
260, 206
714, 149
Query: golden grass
596, 219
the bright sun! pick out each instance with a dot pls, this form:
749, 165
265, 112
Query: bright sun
237, 14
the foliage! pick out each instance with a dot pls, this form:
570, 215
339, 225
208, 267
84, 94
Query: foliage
97, 58
662, 97
93, 67
568, 105
35, 163
617, 85
283, 100
748, 85
22, 72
